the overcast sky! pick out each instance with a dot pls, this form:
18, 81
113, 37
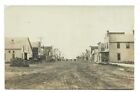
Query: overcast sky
72, 29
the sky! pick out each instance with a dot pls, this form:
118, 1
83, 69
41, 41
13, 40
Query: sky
72, 29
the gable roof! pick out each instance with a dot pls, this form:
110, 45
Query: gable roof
16, 42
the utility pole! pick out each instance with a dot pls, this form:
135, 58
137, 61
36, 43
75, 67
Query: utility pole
40, 40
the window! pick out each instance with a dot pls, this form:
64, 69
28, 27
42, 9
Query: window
118, 45
9, 51
127, 45
118, 56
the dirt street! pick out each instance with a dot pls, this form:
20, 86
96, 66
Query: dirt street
69, 75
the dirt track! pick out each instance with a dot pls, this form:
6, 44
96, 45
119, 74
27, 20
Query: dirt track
69, 75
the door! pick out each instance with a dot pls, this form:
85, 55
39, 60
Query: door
13, 55
25, 56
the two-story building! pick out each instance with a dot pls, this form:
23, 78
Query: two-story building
120, 46
35, 49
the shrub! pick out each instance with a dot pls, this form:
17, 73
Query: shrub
18, 62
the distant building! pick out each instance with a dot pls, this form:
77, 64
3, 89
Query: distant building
103, 55
120, 46
87, 55
17, 47
94, 53
48, 52
35, 49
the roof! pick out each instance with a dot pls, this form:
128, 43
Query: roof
35, 44
116, 32
121, 37
16, 42
47, 47
93, 47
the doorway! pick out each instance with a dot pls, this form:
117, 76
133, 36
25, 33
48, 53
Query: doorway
25, 56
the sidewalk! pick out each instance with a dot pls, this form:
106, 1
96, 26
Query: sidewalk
124, 65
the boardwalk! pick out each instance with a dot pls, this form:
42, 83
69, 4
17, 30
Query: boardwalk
69, 75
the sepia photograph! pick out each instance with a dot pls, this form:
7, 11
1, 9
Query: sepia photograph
69, 47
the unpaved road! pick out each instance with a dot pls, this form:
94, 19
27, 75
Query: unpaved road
69, 75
